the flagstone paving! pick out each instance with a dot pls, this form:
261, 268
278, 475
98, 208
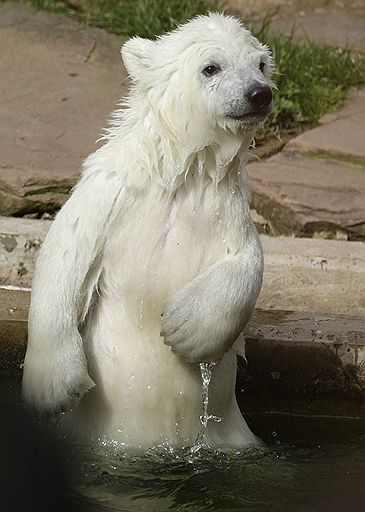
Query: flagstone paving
60, 80
316, 185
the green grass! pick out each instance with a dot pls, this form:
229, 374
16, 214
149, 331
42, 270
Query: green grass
312, 79
146, 18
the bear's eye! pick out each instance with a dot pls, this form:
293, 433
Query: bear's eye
262, 66
211, 70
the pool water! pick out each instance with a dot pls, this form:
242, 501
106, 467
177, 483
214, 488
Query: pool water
309, 464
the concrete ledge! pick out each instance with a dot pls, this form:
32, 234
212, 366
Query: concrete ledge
296, 361
300, 274
20, 241
313, 275
14, 305
304, 363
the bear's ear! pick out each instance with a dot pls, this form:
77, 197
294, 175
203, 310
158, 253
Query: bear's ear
136, 54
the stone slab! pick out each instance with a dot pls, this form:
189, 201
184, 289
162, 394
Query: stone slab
353, 106
338, 29
306, 196
326, 276
291, 10
20, 241
59, 81
340, 134
302, 274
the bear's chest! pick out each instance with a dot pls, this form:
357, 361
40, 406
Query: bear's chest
162, 241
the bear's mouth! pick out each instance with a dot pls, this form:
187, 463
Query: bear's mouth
252, 116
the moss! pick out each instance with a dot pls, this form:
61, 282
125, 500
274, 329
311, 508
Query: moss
353, 160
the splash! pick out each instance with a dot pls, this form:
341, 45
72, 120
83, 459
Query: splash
206, 370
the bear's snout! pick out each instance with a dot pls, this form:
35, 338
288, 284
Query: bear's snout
259, 95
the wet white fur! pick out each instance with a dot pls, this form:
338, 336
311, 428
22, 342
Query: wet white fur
158, 224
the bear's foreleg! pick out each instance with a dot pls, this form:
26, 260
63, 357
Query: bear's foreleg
204, 318
55, 368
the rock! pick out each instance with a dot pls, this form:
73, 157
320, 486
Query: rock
340, 134
20, 241
300, 195
262, 224
338, 29
59, 81
316, 185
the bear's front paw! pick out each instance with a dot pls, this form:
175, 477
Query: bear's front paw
195, 328
54, 384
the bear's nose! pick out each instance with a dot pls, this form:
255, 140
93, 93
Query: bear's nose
259, 95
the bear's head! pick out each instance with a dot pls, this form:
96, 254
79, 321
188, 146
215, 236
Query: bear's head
206, 76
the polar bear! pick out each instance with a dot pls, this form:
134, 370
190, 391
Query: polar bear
154, 263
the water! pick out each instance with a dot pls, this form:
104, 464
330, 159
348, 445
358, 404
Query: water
309, 464
255, 480
312, 474
206, 370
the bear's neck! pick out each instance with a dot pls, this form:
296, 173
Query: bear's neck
173, 160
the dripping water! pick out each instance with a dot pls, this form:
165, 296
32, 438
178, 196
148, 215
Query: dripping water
141, 301
206, 370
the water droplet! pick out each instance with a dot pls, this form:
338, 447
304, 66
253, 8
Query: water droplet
148, 387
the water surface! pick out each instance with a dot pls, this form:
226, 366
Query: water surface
308, 464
